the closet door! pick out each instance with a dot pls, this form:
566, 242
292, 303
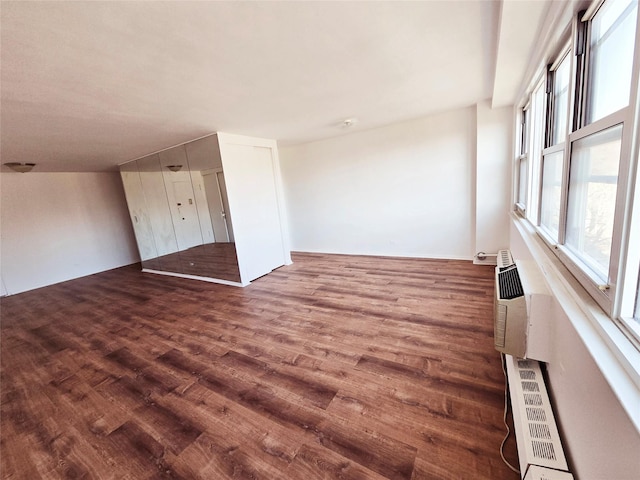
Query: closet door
250, 167
138, 210
157, 205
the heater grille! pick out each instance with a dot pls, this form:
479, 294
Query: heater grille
540, 430
504, 259
537, 435
532, 399
509, 284
543, 450
522, 364
536, 414
527, 375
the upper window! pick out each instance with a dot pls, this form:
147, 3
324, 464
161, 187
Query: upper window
613, 33
560, 100
553, 157
537, 129
522, 161
593, 230
524, 131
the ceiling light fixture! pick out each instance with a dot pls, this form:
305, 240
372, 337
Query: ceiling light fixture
20, 167
174, 168
349, 122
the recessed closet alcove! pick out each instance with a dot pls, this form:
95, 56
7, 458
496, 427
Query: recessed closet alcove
209, 209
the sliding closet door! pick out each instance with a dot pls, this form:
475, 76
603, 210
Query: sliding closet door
138, 210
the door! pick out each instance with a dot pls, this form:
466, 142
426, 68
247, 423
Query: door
216, 206
226, 215
185, 215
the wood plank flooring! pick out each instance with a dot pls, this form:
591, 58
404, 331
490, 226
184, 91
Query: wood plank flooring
335, 367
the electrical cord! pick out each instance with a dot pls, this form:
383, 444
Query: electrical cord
504, 418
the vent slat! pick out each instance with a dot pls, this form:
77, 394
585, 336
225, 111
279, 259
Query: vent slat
525, 364
509, 284
527, 375
543, 450
540, 430
504, 259
536, 414
532, 399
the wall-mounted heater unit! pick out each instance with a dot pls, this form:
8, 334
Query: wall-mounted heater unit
539, 447
522, 325
510, 309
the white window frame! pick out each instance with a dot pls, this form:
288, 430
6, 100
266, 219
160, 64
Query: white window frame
524, 122
605, 293
607, 328
627, 308
536, 146
558, 146
617, 296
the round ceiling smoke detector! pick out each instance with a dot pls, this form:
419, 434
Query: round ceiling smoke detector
349, 122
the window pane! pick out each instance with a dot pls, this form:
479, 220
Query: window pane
636, 316
522, 181
524, 133
592, 197
561, 100
537, 129
613, 32
551, 193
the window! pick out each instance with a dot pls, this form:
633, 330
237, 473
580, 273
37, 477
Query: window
592, 199
537, 129
522, 162
629, 311
583, 188
551, 194
599, 159
611, 58
524, 131
632, 322
558, 79
636, 315
560, 100
522, 182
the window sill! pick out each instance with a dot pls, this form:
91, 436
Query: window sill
615, 355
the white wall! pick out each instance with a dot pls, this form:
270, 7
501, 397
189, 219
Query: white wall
493, 177
59, 226
401, 190
600, 438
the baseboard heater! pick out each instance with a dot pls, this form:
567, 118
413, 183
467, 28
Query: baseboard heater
540, 450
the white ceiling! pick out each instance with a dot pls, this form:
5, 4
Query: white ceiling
511, 64
88, 85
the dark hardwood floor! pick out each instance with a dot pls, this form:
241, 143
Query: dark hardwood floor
335, 367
